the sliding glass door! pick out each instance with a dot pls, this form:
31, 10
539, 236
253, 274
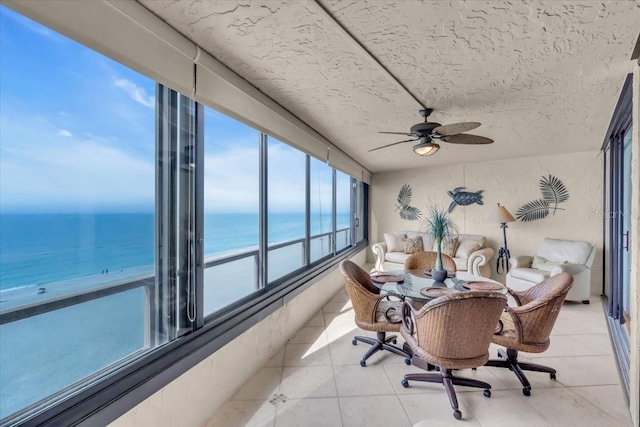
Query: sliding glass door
617, 227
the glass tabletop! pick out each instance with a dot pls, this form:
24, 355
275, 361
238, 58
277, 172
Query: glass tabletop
416, 284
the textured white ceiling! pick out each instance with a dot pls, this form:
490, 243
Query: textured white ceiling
541, 77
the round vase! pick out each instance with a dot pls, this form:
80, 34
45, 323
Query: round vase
439, 275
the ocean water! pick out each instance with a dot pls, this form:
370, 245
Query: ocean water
36, 249
43, 354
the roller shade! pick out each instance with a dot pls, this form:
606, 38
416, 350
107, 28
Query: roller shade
344, 163
222, 89
127, 32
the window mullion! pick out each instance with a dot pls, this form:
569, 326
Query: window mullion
263, 215
199, 214
334, 210
175, 213
307, 211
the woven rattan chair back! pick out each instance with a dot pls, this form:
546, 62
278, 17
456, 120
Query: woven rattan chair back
371, 311
454, 331
427, 260
528, 326
364, 295
539, 309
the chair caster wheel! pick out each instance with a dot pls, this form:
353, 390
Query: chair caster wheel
474, 369
363, 363
404, 383
457, 415
526, 392
354, 341
553, 376
407, 361
487, 393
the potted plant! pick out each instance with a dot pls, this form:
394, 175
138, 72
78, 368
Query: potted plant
441, 228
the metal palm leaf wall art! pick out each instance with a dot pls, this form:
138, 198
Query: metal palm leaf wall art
553, 192
407, 211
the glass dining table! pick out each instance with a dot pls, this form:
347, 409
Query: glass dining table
418, 284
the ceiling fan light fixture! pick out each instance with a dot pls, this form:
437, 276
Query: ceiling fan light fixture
426, 148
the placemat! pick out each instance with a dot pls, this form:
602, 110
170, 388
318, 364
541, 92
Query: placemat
436, 292
383, 278
450, 274
483, 286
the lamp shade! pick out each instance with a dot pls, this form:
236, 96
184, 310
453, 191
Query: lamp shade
500, 215
426, 148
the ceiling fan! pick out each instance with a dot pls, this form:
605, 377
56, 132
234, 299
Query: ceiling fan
428, 133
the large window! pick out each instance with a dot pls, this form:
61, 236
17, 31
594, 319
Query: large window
231, 199
286, 209
135, 222
344, 191
77, 172
321, 203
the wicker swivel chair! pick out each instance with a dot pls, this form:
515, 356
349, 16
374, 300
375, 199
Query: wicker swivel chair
452, 332
373, 311
527, 327
427, 260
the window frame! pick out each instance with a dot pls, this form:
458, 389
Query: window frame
108, 399
114, 393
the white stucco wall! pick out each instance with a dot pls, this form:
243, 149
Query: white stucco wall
511, 183
196, 395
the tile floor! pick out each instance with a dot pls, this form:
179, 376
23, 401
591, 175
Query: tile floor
316, 380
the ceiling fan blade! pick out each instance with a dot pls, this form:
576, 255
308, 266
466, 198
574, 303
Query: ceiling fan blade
465, 138
455, 128
398, 133
389, 145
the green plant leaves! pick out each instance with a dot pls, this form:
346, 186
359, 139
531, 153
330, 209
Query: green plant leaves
439, 225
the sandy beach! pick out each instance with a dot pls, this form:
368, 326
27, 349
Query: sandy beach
41, 292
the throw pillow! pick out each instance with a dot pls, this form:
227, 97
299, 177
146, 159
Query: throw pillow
412, 245
541, 263
467, 247
448, 246
394, 242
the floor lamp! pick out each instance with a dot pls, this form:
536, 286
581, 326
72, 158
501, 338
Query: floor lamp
502, 216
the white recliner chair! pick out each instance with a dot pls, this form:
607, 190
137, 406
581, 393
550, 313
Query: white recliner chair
555, 256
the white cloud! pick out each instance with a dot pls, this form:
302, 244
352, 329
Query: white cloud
136, 92
64, 132
69, 173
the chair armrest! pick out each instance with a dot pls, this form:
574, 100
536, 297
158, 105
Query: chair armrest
515, 295
477, 259
379, 249
521, 261
572, 269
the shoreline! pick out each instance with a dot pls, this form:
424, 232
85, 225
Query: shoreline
28, 294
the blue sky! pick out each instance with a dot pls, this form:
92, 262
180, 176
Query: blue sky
77, 134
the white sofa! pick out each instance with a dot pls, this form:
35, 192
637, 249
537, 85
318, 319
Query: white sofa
573, 256
472, 256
